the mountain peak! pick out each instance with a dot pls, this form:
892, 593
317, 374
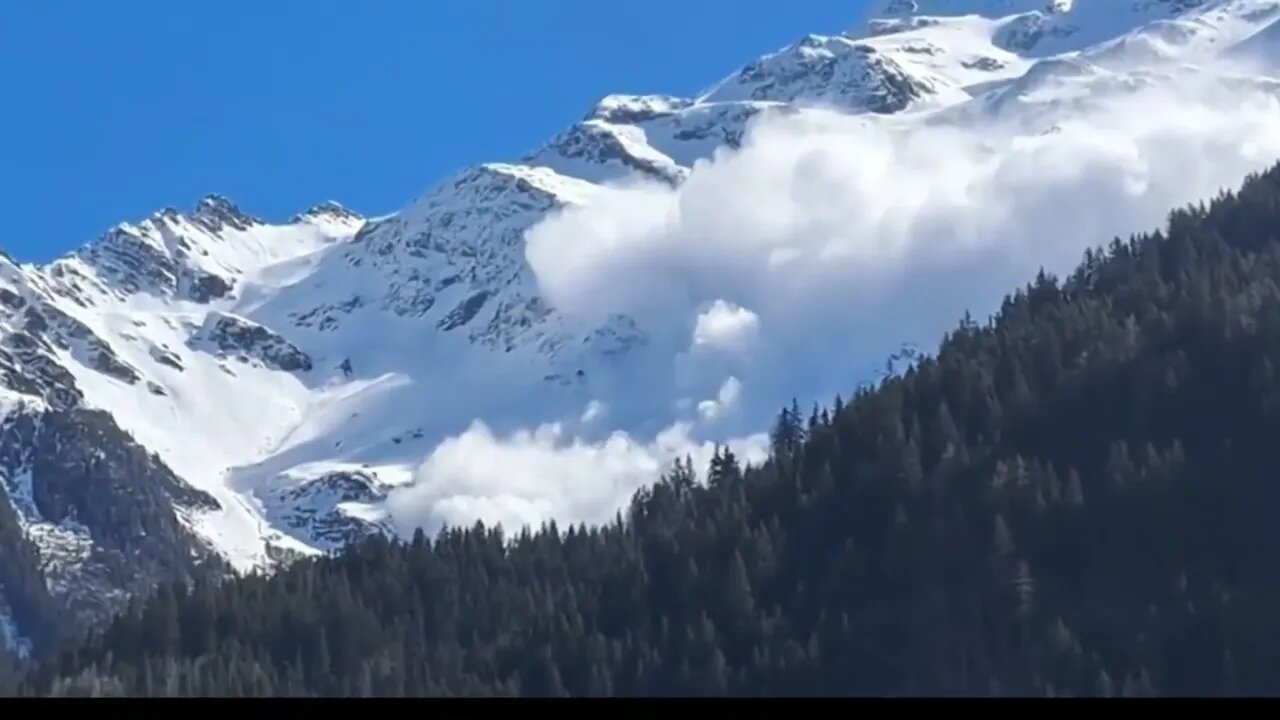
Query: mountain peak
217, 211
326, 209
1039, 28
827, 69
266, 364
214, 202
988, 8
636, 108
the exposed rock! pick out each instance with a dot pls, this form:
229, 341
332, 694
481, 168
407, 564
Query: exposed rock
11, 299
233, 336
888, 26
607, 151
322, 508
328, 316
166, 357
327, 209
986, 64
69, 333
634, 109
829, 69
106, 362
216, 213
465, 310
27, 366
99, 511
132, 262
203, 287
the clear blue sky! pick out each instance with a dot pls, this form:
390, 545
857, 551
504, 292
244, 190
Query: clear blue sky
114, 109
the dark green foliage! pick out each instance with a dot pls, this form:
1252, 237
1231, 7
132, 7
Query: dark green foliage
1077, 498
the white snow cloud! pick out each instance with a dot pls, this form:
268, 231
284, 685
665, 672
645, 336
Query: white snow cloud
724, 402
593, 412
827, 240
534, 476
725, 326
824, 243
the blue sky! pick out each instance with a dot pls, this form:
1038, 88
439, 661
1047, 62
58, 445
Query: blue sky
115, 109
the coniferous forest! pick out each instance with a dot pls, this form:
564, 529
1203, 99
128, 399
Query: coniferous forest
1080, 496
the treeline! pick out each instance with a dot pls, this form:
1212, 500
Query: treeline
1077, 497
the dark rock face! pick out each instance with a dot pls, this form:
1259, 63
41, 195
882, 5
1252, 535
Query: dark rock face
833, 69
11, 300
160, 256
204, 287
99, 475
106, 362
234, 336
888, 26
727, 127
464, 311
312, 507
28, 367
326, 209
167, 357
217, 213
626, 110
132, 264
986, 64
89, 518
328, 316
70, 334
598, 144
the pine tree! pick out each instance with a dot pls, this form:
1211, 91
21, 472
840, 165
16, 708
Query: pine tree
886, 548
739, 603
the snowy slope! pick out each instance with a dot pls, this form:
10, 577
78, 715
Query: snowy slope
294, 374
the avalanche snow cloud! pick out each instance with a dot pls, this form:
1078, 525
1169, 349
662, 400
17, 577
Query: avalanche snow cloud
545, 474
794, 265
536, 339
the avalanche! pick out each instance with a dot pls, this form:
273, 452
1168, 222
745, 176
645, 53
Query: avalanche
300, 372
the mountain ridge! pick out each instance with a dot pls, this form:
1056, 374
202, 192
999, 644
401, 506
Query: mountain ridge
263, 367
1072, 499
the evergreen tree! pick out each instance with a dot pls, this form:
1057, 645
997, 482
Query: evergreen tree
1076, 498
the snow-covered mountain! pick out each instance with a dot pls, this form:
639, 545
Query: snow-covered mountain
203, 389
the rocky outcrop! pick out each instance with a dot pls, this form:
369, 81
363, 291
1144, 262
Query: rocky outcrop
332, 510
217, 213
464, 311
203, 287
325, 210
232, 336
91, 518
329, 315
601, 152
835, 70
28, 367
169, 255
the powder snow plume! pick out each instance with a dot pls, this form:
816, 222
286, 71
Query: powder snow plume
794, 265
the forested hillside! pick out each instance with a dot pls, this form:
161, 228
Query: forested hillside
1075, 498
